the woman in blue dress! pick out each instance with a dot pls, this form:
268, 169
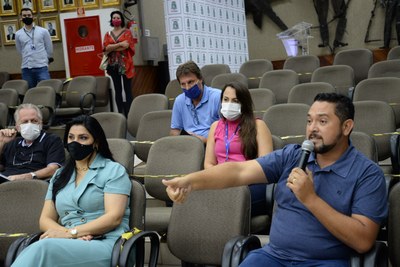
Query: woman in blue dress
86, 206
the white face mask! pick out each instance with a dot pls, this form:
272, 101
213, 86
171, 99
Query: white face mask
231, 111
30, 131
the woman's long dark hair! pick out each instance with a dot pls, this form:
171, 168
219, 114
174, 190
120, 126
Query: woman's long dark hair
102, 148
248, 131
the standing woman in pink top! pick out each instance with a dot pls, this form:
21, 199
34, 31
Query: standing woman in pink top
239, 136
119, 45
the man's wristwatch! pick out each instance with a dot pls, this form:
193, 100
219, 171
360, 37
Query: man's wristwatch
34, 176
74, 232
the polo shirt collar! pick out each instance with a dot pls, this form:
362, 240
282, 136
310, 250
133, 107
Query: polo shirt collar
343, 165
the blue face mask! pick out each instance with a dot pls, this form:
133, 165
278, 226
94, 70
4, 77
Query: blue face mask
192, 93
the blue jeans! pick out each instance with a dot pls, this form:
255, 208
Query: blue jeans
35, 75
259, 258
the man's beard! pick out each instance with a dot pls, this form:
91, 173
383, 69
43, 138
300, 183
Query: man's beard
324, 148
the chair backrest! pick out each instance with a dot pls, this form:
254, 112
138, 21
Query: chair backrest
137, 205
56, 84
306, 92
212, 217
340, 76
280, 82
386, 68
3, 115
360, 59
209, 71
385, 89
78, 87
394, 225
9, 96
21, 204
172, 155
152, 126
304, 65
262, 99
141, 105
172, 90
45, 98
113, 124
20, 85
394, 53
365, 144
288, 121
254, 69
221, 80
374, 118
123, 152
4, 76
102, 93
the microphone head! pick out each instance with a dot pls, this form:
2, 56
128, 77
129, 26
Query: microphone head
307, 145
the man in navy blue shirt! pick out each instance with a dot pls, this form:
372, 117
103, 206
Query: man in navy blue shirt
323, 214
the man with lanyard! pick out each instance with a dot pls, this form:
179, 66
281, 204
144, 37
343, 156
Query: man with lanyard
35, 46
34, 154
197, 107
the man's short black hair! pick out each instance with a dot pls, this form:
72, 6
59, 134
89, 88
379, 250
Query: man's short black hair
344, 106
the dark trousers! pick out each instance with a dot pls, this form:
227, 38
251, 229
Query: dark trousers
340, 9
392, 12
119, 85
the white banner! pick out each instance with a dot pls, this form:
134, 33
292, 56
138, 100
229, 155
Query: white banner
207, 32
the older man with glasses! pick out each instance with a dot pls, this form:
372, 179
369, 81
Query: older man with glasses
197, 107
28, 152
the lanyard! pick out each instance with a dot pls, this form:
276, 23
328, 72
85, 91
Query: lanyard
31, 37
228, 140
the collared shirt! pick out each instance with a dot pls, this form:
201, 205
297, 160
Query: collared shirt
35, 46
352, 185
18, 157
186, 116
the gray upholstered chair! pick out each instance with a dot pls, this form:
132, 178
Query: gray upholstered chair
376, 118
386, 68
254, 69
140, 106
20, 85
365, 144
340, 76
168, 157
9, 97
304, 65
386, 89
57, 85
152, 126
200, 227
288, 121
394, 53
209, 71
360, 59
114, 124
262, 98
27, 198
4, 76
80, 97
306, 92
220, 80
172, 90
279, 82
123, 152
45, 98
103, 94
3, 115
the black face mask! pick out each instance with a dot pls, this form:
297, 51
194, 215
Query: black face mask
27, 21
78, 151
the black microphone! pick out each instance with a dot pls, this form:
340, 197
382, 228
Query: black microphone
307, 147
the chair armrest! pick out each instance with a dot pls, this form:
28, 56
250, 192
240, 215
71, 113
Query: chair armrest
237, 248
84, 109
18, 245
376, 256
395, 147
125, 251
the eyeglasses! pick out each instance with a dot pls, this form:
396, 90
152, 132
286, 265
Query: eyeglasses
195, 117
23, 157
